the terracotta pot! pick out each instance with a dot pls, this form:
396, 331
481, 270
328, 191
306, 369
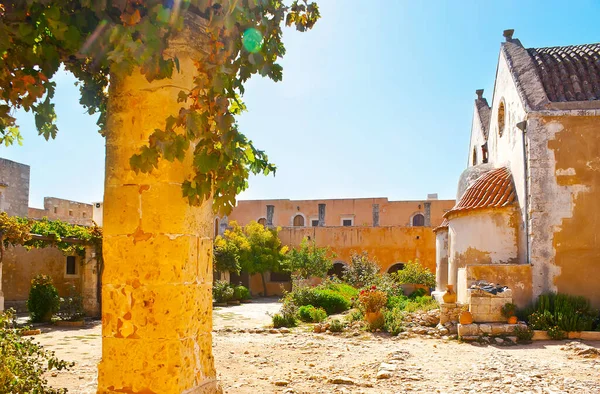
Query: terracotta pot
372, 317
465, 318
449, 295
512, 320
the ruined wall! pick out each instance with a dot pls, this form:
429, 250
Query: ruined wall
20, 266
68, 211
565, 204
14, 188
390, 213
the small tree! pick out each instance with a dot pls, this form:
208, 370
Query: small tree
255, 249
414, 273
309, 260
265, 252
362, 270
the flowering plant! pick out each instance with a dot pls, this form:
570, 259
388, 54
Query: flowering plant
372, 300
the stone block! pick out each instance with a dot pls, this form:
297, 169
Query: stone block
539, 335
467, 330
501, 328
590, 335
485, 328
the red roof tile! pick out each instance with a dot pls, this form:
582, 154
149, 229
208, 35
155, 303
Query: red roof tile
442, 226
494, 189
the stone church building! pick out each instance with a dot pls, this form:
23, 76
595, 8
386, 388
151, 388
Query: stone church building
528, 205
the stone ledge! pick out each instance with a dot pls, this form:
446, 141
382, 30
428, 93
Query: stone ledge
539, 335
489, 329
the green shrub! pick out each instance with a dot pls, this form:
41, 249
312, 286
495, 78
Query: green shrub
412, 303
345, 290
566, 312
508, 309
556, 333
310, 314
355, 315
336, 326
24, 363
415, 273
523, 334
222, 291
71, 307
394, 321
305, 313
331, 301
280, 320
319, 315
362, 271
241, 293
43, 299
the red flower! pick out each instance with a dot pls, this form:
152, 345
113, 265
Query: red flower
373, 287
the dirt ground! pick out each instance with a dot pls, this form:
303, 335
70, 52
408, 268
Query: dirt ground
305, 362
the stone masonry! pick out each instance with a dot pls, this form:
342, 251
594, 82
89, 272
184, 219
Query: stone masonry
486, 307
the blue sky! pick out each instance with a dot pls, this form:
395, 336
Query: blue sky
376, 100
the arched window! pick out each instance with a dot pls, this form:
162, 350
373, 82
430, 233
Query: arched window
262, 221
338, 269
395, 268
216, 228
501, 118
298, 221
474, 156
418, 220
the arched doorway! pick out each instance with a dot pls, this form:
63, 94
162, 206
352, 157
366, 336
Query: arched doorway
298, 221
418, 220
395, 268
262, 221
337, 270
216, 228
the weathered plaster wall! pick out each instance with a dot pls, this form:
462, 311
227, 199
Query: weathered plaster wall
507, 150
516, 277
14, 188
565, 204
477, 139
20, 266
441, 259
69, 211
391, 213
481, 237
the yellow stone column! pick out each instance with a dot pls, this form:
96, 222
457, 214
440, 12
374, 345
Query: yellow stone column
157, 279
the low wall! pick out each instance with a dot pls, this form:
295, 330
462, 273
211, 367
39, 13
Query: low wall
517, 277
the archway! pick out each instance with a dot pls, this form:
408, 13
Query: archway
418, 220
298, 221
216, 228
337, 270
395, 268
262, 221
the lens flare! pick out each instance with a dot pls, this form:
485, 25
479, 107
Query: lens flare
252, 40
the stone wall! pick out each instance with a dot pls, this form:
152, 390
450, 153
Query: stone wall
14, 188
66, 210
486, 307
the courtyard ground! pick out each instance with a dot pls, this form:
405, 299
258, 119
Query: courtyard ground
305, 362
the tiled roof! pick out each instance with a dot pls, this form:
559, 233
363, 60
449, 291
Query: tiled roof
442, 226
569, 73
484, 111
494, 189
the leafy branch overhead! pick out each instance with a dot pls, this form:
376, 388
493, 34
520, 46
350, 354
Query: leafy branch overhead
93, 39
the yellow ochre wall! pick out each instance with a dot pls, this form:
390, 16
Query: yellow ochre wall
576, 243
391, 213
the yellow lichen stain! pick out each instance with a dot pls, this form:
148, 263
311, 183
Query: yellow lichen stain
472, 256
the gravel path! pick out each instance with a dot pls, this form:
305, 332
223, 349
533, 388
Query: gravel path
305, 362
